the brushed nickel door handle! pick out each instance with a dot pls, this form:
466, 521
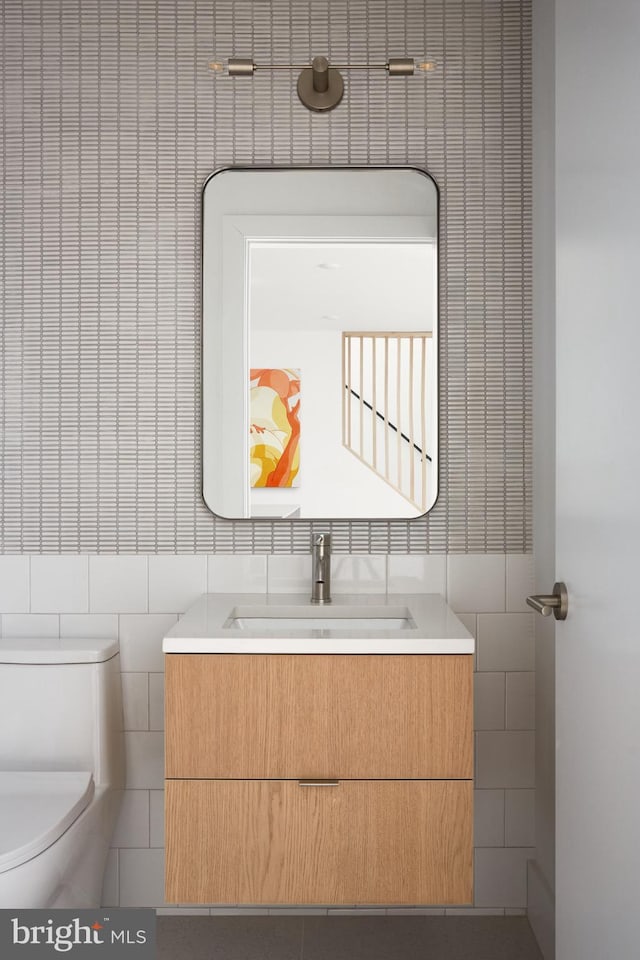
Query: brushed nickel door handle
548, 603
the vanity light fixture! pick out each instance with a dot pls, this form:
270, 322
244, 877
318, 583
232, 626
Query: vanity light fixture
320, 86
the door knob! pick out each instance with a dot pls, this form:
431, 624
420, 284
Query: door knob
548, 603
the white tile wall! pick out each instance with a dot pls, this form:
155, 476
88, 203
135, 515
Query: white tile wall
470, 621
118, 584
521, 704
236, 573
476, 582
145, 760
142, 878
141, 640
110, 886
520, 581
505, 759
505, 641
415, 911
366, 574
59, 584
176, 582
353, 911
501, 876
248, 911
14, 584
474, 912
156, 701
520, 828
135, 700
132, 828
488, 813
288, 574
156, 818
417, 574
92, 625
489, 701
140, 598
30, 625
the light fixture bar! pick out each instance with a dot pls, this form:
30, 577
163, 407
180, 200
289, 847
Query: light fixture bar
336, 66
395, 66
320, 84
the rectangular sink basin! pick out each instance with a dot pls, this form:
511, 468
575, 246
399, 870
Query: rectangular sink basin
309, 621
290, 623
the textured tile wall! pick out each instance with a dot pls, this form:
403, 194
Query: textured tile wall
111, 123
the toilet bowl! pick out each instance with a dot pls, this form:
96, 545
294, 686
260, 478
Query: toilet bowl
61, 769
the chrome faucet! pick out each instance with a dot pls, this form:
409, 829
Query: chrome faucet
321, 568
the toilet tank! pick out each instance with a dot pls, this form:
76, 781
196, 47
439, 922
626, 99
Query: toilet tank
61, 707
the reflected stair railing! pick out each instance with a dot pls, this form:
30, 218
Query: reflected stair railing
388, 433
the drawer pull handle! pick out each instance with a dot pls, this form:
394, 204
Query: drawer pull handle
318, 783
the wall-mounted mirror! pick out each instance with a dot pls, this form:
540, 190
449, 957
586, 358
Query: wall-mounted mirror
320, 343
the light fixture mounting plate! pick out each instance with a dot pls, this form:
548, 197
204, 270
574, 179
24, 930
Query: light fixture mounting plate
320, 101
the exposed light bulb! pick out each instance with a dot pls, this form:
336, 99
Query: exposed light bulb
426, 66
217, 66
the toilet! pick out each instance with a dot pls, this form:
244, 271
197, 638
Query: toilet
61, 769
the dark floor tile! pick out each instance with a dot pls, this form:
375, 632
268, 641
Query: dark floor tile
229, 938
419, 938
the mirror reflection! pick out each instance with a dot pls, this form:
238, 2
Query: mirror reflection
320, 344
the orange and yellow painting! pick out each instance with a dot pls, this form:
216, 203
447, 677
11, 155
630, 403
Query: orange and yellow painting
274, 430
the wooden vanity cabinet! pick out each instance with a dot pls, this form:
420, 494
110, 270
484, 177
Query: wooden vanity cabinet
319, 778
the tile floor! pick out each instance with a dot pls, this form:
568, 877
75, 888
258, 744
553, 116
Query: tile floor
346, 938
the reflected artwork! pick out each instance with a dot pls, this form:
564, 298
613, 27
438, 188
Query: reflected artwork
274, 427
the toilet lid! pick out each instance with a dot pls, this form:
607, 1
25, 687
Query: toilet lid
36, 808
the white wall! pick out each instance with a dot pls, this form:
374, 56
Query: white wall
586, 210
541, 886
598, 464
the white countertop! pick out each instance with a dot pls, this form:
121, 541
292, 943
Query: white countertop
433, 627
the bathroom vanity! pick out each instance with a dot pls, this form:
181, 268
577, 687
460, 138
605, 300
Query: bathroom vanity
319, 755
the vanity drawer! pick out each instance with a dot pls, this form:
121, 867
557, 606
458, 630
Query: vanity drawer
270, 841
290, 716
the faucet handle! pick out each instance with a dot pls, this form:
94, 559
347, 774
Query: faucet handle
321, 540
